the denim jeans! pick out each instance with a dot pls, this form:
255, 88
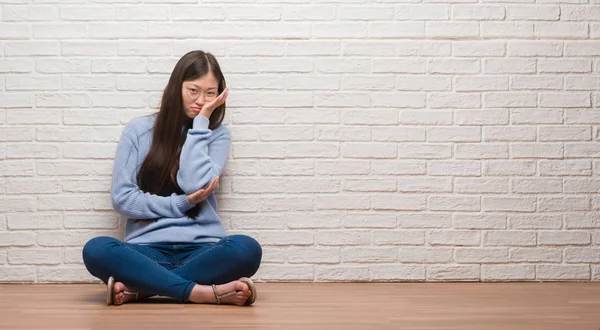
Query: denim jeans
172, 270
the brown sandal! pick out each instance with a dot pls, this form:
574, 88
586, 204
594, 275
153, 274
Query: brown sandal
250, 285
110, 290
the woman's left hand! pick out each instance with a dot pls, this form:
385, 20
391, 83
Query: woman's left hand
209, 107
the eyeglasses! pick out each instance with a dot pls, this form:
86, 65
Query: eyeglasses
193, 94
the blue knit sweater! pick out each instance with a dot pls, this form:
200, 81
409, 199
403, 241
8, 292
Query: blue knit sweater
203, 157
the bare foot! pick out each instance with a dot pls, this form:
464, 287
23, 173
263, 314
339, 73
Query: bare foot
203, 294
120, 297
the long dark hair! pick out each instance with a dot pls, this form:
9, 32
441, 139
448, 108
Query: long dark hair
158, 172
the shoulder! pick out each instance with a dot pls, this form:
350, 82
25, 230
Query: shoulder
139, 126
221, 132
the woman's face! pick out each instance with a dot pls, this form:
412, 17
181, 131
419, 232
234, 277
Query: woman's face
198, 92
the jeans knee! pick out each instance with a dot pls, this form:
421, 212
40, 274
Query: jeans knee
95, 249
250, 250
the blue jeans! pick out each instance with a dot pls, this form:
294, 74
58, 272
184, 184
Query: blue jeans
172, 270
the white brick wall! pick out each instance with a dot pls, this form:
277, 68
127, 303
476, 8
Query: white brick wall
372, 141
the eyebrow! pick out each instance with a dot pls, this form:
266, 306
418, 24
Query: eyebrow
201, 88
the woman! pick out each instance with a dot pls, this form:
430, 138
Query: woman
166, 169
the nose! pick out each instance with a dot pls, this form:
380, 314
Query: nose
200, 99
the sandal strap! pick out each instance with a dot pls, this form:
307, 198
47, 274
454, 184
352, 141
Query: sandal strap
219, 296
214, 287
136, 293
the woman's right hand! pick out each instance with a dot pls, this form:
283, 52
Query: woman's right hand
202, 194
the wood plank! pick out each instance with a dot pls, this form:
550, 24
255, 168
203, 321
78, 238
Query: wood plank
288, 306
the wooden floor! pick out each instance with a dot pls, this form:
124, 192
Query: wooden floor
289, 306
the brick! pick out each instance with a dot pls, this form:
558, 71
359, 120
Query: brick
425, 220
425, 48
565, 167
582, 221
403, 65
582, 48
34, 256
307, 13
424, 83
394, 167
368, 220
452, 30
561, 30
565, 100
398, 272
453, 273
481, 255
286, 238
17, 204
511, 65
287, 272
71, 274
424, 151
483, 48
342, 167
368, 185
394, 30
369, 254
582, 255
311, 219
522, 204
481, 151
535, 255
398, 202
424, 255
373, 117
479, 84
550, 204
366, 150
87, 13
454, 237
564, 65
341, 202
345, 238
342, 273
424, 184
313, 150
563, 272
437, 117
537, 150
535, 48
507, 30
369, 48
14, 239
478, 221
340, 30
507, 272
533, 116
535, 221
564, 238
96, 220
398, 237
321, 255
582, 150
361, 83
348, 100
274, 204
533, 12
454, 167
17, 274
535, 186
509, 238
480, 185
17, 168
454, 134
478, 12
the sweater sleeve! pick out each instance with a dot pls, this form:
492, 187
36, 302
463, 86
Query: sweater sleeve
203, 156
128, 199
